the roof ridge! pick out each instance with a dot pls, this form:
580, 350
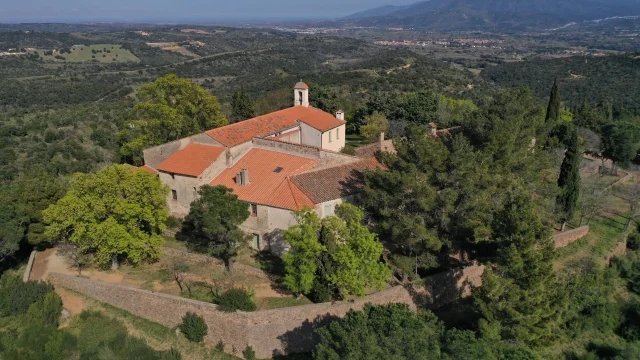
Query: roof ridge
293, 183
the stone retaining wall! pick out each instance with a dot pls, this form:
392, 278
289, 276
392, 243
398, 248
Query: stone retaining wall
269, 332
565, 238
27, 271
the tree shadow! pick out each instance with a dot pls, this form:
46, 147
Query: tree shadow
303, 338
440, 289
273, 267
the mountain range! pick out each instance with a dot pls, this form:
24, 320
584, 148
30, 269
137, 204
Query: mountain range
448, 15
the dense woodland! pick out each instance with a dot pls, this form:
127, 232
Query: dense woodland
485, 193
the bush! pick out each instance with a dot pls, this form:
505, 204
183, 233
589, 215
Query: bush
46, 311
172, 354
248, 353
321, 292
173, 223
16, 296
235, 299
194, 327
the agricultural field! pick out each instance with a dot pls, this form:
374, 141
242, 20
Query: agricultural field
103, 53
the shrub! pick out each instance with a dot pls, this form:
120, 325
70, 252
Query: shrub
194, 327
172, 223
321, 292
16, 296
248, 353
235, 299
220, 346
46, 311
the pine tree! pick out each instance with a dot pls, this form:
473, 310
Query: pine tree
520, 299
242, 106
553, 110
569, 180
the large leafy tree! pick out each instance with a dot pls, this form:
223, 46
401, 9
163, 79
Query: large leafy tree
118, 212
521, 299
338, 250
569, 180
242, 106
213, 220
374, 124
170, 108
380, 332
301, 261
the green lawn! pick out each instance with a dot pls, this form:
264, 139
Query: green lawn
104, 53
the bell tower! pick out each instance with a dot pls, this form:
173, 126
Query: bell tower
301, 94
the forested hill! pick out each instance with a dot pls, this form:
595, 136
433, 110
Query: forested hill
447, 15
581, 78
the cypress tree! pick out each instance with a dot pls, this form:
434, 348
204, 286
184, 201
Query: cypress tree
242, 106
569, 180
553, 110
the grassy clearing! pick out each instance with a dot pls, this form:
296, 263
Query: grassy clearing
281, 302
103, 53
171, 242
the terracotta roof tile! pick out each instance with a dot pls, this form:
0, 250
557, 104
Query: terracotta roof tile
261, 126
369, 150
335, 182
301, 85
148, 168
192, 160
266, 186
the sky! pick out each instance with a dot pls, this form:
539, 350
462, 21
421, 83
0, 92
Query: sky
178, 10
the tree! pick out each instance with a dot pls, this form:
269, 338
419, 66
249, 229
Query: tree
374, 124
194, 327
301, 261
520, 298
618, 144
236, 299
242, 106
249, 354
74, 255
337, 249
178, 269
354, 252
390, 331
592, 200
631, 194
553, 110
171, 108
117, 212
213, 220
569, 179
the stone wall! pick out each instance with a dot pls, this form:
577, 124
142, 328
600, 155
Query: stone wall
27, 271
269, 332
565, 238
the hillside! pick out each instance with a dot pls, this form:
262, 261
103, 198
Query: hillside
448, 15
580, 78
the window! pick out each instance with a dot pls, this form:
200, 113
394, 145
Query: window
173, 176
338, 133
195, 191
256, 241
329, 136
174, 195
328, 210
254, 210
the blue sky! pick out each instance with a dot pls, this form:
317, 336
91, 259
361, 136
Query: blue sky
176, 10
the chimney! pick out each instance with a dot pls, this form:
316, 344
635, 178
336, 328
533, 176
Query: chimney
239, 179
229, 158
245, 176
340, 115
381, 139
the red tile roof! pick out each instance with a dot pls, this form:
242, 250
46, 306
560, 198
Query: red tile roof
335, 182
261, 126
301, 85
192, 160
148, 168
321, 120
267, 187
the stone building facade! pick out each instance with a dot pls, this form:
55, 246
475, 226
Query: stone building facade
261, 159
